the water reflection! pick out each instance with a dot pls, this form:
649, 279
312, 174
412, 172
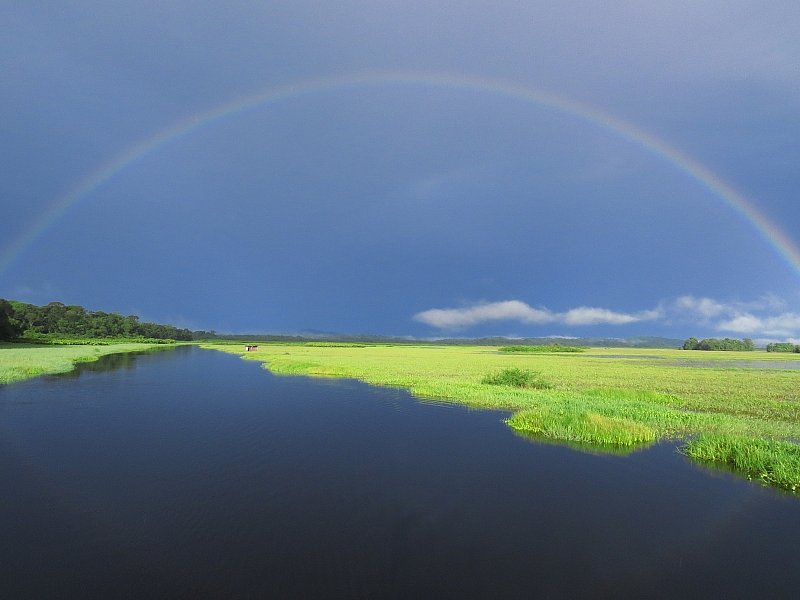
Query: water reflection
110, 362
194, 474
585, 447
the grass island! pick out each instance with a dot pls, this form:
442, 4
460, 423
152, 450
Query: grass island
735, 410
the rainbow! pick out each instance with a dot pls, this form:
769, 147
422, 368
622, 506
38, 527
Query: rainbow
768, 230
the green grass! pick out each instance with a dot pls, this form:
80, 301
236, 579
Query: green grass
581, 427
611, 398
542, 348
334, 345
516, 377
773, 462
24, 361
60, 340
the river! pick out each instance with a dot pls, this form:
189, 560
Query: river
194, 474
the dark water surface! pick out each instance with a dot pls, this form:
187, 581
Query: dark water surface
195, 474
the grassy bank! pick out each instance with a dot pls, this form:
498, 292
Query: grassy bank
774, 462
610, 398
24, 361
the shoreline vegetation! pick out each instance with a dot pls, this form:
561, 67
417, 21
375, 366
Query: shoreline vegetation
32, 323
21, 361
725, 415
54, 338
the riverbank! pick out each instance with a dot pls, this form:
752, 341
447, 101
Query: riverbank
20, 361
605, 398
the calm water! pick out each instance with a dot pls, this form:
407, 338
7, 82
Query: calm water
192, 473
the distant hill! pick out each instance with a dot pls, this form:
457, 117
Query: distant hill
632, 342
307, 336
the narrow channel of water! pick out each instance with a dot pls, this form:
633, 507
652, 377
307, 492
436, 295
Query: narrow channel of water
194, 474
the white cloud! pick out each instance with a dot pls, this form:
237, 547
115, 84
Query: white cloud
703, 307
708, 308
515, 310
783, 325
765, 317
745, 323
770, 302
510, 310
586, 315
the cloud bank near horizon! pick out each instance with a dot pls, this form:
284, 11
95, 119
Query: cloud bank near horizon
516, 310
766, 317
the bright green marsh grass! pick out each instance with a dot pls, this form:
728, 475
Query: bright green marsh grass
516, 377
769, 461
581, 427
612, 398
23, 361
542, 348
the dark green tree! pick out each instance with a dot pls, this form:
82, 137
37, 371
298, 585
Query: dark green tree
9, 327
691, 343
725, 344
783, 347
58, 319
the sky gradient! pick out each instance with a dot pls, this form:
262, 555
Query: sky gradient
482, 169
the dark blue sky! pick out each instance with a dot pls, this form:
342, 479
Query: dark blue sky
405, 209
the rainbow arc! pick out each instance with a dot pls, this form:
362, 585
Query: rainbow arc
767, 229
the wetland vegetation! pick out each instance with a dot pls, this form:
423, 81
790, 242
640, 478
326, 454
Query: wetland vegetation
747, 419
541, 348
24, 361
726, 410
50, 339
194, 474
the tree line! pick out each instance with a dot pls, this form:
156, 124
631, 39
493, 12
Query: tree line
21, 320
693, 343
783, 347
